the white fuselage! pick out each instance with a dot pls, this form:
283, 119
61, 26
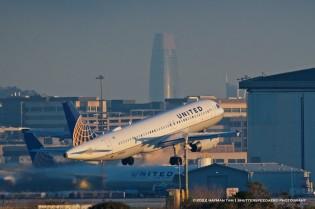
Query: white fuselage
145, 135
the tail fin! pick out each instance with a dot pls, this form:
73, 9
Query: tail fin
72, 115
79, 129
38, 157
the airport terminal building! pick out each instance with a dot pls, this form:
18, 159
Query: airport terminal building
281, 118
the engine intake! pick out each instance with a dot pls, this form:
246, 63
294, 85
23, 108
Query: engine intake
196, 147
202, 145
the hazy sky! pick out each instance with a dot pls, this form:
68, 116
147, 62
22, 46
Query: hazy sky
58, 47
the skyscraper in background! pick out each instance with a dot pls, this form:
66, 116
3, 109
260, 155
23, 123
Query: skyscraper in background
163, 68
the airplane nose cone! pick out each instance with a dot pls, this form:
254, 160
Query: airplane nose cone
65, 155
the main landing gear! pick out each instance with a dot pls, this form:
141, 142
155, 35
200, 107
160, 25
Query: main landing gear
176, 160
128, 161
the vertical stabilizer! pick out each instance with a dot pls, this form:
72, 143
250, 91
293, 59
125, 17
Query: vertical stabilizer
35, 149
79, 129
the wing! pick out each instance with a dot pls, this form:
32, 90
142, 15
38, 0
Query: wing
180, 138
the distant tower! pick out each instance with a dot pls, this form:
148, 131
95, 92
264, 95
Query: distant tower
163, 68
230, 89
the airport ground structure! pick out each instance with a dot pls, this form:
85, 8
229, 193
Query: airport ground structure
281, 118
278, 179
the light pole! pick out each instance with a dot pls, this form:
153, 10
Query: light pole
100, 122
180, 186
21, 111
186, 168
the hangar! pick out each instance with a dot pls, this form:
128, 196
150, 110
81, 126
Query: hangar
275, 177
281, 118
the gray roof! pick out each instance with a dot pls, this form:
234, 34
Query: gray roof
300, 79
262, 167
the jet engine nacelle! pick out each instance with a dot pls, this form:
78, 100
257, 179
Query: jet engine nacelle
202, 145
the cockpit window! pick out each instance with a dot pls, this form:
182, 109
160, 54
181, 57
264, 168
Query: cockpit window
218, 106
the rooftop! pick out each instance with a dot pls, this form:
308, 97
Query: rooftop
300, 79
262, 167
255, 167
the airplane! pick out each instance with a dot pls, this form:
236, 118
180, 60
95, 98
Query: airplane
167, 129
45, 170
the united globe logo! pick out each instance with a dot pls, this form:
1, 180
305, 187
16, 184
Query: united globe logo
82, 132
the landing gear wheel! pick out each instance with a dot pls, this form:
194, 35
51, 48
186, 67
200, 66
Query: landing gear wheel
128, 160
124, 161
175, 160
131, 160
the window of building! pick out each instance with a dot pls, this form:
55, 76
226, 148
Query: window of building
235, 109
218, 160
232, 161
93, 108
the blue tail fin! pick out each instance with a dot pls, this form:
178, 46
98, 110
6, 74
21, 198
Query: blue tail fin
79, 129
72, 115
38, 157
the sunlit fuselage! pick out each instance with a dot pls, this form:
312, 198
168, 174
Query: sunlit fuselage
145, 135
